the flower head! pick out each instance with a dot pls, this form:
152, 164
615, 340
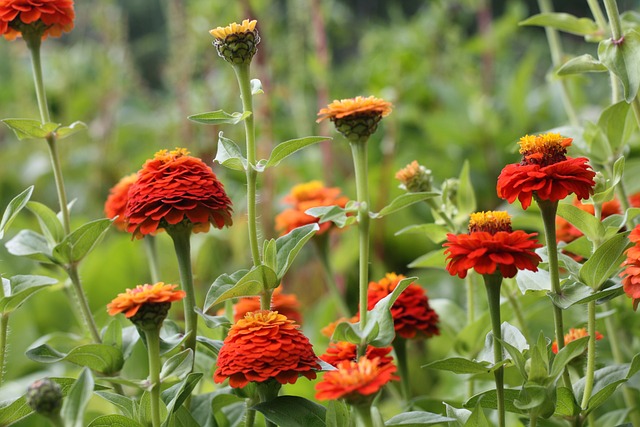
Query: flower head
631, 274
574, 334
173, 187
265, 345
545, 171
414, 177
356, 118
356, 382
146, 305
491, 246
285, 304
342, 350
43, 17
44, 396
412, 315
306, 196
116, 203
237, 43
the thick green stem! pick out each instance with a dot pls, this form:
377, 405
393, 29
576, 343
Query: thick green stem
492, 284
400, 348
4, 328
596, 11
363, 416
72, 271
57, 175
591, 354
471, 317
614, 19
548, 210
250, 414
153, 349
359, 151
151, 251
322, 245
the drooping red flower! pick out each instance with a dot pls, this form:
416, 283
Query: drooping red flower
355, 382
285, 304
566, 232
130, 301
306, 196
631, 274
574, 334
546, 171
265, 345
116, 203
173, 187
342, 350
412, 315
52, 17
491, 246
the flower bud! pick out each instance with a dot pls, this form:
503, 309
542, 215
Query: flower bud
45, 397
237, 43
414, 178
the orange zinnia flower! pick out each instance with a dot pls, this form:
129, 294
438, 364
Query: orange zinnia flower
116, 203
265, 345
306, 196
285, 304
356, 118
412, 315
130, 301
342, 350
574, 334
631, 273
546, 171
491, 245
172, 186
356, 382
51, 17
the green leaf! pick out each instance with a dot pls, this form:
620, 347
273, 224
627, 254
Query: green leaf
99, 357
563, 22
229, 154
567, 354
287, 148
256, 281
434, 232
288, 246
113, 334
460, 415
433, 259
293, 411
269, 254
582, 220
402, 202
124, 403
337, 414
144, 410
617, 123
566, 405
606, 381
219, 117
477, 418
65, 131
608, 194
213, 322
256, 86
213, 345
48, 220
598, 147
510, 335
605, 261
574, 292
32, 245
14, 206
29, 128
530, 281
222, 284
20, 288
349, 332
416, 419
380, 317
516, 357
622, 58
80, 242
465, 196
341, 217
459, 365
114, 421
581, 64
488, 399
175, 396
76, 401
177, 367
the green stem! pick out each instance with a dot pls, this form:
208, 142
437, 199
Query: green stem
400, 348
250, 414
591, 354
322, 245
492, 284
534, 421
57, 175
72, 271
153, 348
471, 317
363, 416
151, 251
4, 328
614, 19
548, 210
596, 11
359, 151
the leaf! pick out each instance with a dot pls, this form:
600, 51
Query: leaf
582, 220
13, 208
175, 395
530, 281
213, 345
125, 404
510, 335
349, 332
563, 22
608, 194
337, 414
434, 232
229, 154
213, 322
222, 284
269, 254
605, 261
622, 58
112, 335
488, 399
114, 421
402, 202
341, 217
569, 352
21, 288
80, 242
49, 223
433, 259
256, 281
416, 419
219, 117
578, 293
477, 418
566, 405
516, 357
177, 366
288, 246
65, 131
256, 86
287, 148
459, 365
617, 123
76, 401
581, 64
32, 245
606, 381
465, 196
380, 317
30, 128
460, 415
98, 357
293, 411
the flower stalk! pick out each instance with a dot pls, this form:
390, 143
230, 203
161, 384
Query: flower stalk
153, 349
4, 329
492, 284
72, 271
591, 354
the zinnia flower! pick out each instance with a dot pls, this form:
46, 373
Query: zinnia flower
172, 187
491, 245
412, 315
237, 43
356, 118
47, 17
356, 382
146, 305
306, 196
574, 334
546, 171
414, 178
342, 350
265, 345
285, 304
116, 203
631, 273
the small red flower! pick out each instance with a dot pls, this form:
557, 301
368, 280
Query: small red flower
412, 315
286, 304
631, 273
342, 350
545, 171
574, 334
265, 345
172, 187
116, 203
491, 246
54, 17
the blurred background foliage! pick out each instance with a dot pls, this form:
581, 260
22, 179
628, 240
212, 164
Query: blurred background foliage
465, 79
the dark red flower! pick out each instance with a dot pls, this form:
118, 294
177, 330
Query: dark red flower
631, 273
116, 203
53, 17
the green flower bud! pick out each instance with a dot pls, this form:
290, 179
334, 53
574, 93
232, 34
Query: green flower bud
45, 397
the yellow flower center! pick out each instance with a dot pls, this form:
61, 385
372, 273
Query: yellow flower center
306, 191
223, 32
490, 221
165, 155
544, 149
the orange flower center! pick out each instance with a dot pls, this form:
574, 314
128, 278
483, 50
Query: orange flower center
361, 372
235, 28
544, 149
490, 222
306, 191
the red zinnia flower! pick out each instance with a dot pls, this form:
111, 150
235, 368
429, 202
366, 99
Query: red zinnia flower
412, 315
53, 17
355, 381
130, 301
574, 334
285, 304
265, 345
342, 350
490, 246
116, 203
546, 171
631, 273
172, 186
306, 196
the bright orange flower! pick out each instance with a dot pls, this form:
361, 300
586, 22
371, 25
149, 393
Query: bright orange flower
130, 301
546, 171
356, 118
412, 315
355, 381
265, 345
285, 304
491, 245
574, 334
342, 350
52, 17
172, 186
116, 203
306, 196
631, 273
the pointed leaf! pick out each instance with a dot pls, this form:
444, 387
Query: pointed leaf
177, 366
566, 405
29, 128
349, 332
341, 217
21, 288
617, 123
465, 196
213, 322
605, 261
256, 281
12, 209
510, 335
49, 223
433, 259
288, 246
269, 254
574, 292
608, 194
175, 396
229, 154
402, 202
32, 245
416, 419
563, 22
213, 345
434, 232
287, 148
65, 131
124, 403
581, 64
222, 284
530, 281
76, 401
337, 414
98, 357
622, 57
114, 421
459, 365
256, 87
80, 242
293, 411
219, 117
488, 399
381, 315
112, 335
567, 354
583, 221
